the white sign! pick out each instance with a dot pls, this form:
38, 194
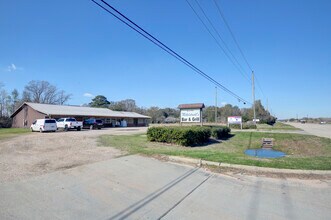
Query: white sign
234, 120
190, 115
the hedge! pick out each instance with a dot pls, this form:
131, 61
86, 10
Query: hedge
245, 126
5, 122
185, 136
220, 132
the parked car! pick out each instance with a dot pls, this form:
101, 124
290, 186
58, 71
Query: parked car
69, 123
42, 125
93, 123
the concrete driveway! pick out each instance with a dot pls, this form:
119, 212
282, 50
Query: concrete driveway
321, 130
136, 187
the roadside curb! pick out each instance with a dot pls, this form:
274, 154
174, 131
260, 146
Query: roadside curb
245, 167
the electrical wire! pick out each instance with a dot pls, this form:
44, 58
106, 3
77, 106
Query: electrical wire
236, 42
232, 34
237, 64
121, 17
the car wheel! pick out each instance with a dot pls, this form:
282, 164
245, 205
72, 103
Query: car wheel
41, 130
78, 128
66, 128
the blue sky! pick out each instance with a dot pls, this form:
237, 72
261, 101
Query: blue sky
81, 49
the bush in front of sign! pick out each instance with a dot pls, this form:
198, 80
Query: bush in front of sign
185, 136
245, 126
220, 132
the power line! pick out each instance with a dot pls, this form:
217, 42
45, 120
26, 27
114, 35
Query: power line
237, 44
158, 43
232, 34
240, 68
258, 85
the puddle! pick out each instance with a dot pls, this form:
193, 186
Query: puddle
264, 153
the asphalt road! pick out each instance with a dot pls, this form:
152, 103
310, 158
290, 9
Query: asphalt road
322, 130
136, 187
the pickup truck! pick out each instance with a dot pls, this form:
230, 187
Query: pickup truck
69, 123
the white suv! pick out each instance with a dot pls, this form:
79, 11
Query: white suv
44, 125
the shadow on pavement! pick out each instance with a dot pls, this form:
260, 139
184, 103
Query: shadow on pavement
124, 214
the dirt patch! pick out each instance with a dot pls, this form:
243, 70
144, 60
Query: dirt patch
35, 154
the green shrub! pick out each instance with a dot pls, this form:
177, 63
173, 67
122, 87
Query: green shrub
220, 132
186, 136
5, 122
245, 126
249, 126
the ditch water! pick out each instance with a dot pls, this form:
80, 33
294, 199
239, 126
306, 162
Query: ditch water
264, 153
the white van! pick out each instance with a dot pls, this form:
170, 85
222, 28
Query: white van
44, 125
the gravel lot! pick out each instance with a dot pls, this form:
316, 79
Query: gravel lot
35, 154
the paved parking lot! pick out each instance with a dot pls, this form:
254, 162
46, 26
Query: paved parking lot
39, 153
135, 187
322, 130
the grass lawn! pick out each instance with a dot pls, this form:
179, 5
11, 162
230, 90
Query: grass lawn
276, 126
303, 151
12, 132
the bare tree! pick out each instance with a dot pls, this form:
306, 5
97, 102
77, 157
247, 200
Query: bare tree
63, 97
44, 92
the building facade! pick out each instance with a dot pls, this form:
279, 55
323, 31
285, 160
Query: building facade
28, 112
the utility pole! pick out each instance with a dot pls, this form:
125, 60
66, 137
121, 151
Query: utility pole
215, 104
253, 91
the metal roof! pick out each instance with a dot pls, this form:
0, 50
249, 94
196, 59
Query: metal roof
67, 110
190, 106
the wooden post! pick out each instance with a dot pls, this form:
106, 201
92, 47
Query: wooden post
201, 117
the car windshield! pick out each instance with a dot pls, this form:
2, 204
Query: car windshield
98, 121
71, 119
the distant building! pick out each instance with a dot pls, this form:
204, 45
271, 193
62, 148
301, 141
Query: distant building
25, 115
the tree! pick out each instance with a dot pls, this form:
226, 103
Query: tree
127, 105
155, 114
208, 114
99, 101
5, 108
44, 92
263, 115
4, 101
15, 98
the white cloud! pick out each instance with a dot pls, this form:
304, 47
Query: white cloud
86, 94
12, 68
223, 103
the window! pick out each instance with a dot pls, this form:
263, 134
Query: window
107, 120
49, 121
